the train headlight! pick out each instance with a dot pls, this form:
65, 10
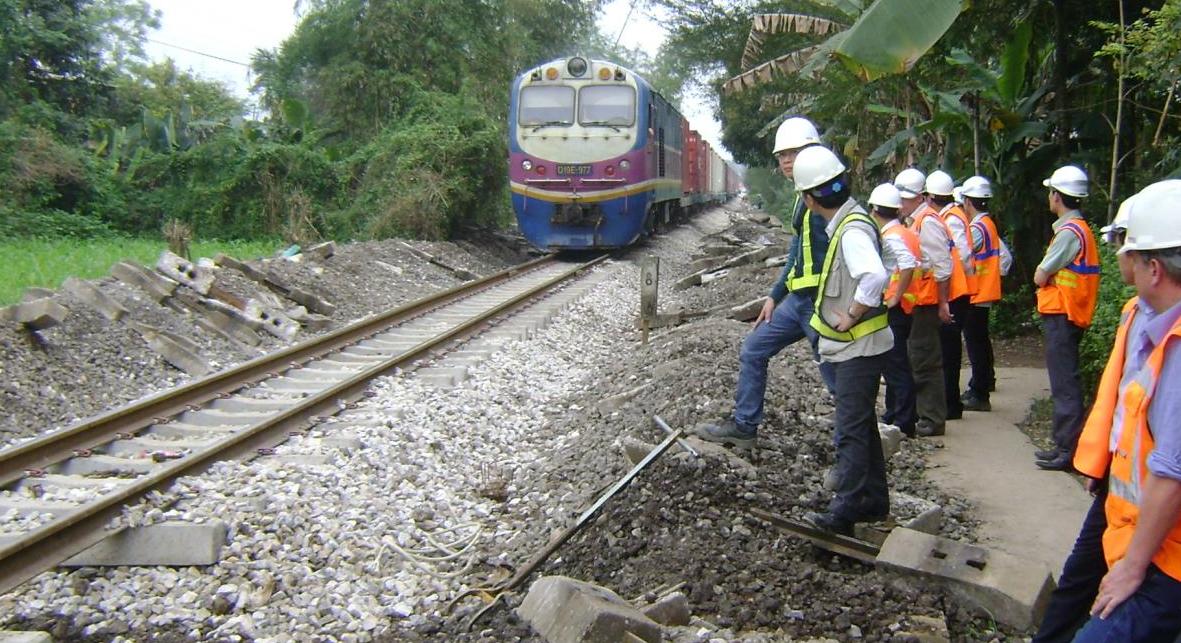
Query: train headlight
610, 170
625, 165
577, 66
526, 165
551, 73
541, 170
604, 73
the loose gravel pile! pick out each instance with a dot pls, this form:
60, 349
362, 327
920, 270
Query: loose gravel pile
449, 489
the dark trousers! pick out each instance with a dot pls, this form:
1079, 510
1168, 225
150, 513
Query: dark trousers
979, 346
1070, 604
1151, 615
860, 468
926, 363
900, 391
951, 342
1066, 389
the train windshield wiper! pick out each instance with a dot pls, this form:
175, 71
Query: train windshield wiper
614, 126
550, 124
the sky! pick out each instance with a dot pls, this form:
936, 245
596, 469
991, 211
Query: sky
216, 39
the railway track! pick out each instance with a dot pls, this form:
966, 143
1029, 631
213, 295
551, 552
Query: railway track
62, 492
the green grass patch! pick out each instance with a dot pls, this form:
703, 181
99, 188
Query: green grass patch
46, 263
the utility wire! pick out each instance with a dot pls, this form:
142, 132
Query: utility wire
630, 9
199, 53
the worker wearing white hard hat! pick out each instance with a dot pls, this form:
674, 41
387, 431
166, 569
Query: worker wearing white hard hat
940, 189
1133, 438
930, 286
787, 311
1068, 285
854, 336
900, 256
992, 260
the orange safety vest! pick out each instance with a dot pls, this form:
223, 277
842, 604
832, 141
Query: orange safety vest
1093, 454
988, 261
911, 240
1074, 289
1129, 468
954, 210
926, 289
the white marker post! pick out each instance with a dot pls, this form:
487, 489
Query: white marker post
649, 283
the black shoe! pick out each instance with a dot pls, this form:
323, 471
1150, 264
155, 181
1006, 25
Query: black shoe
955, 414
828, 522
727, 432
927, 429
973, 402
1060, 463
1046, 455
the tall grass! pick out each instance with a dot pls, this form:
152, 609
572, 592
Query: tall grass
46, 263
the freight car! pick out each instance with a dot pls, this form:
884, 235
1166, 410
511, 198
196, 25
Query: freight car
598, 158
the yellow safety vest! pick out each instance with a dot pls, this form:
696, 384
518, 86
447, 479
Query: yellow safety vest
874, 320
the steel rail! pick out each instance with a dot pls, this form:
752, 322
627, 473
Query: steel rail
49, 545
38, 453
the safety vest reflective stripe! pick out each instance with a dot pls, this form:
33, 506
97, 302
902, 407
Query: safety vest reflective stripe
872, 321
926, 289
1074, 289
1129, 466
808, 277
1093, 453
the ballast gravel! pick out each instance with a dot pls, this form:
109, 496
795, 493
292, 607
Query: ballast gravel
427, 492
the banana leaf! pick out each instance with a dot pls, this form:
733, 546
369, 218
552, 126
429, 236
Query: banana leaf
893, 34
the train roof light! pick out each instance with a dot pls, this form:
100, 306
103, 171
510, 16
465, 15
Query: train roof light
536, 75
577, 66
619, 75
604, 73
551, 73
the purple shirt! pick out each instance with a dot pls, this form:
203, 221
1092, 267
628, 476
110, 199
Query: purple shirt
1164, 409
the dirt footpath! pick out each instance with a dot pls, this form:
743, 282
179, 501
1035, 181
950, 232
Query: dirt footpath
987, 460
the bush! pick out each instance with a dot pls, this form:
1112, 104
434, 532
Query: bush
439, 167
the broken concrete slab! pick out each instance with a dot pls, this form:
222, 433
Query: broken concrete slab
565, 610
671, 609
747, 311
924, 629
891, 437
168, 543
186, 272
89, 294
272, 321
157, 286
38, 314
33, 293
1012, 590
229, 327
175, 353
311, 302
321, 251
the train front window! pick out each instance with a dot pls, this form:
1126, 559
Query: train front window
544, 106
607, 105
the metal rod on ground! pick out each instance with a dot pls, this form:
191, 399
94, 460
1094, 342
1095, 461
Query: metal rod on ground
540, 557
669, 431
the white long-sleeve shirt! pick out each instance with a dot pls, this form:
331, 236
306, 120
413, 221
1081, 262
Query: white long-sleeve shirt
933, 241
959, 234
895, 253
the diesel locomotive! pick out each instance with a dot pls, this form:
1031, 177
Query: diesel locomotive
598, 158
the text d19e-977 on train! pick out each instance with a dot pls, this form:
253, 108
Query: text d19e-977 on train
598, 159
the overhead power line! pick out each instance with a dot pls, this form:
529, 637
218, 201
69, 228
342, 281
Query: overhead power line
199, 53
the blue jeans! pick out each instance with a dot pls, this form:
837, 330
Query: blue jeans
789, 324
860, 467
1152, 614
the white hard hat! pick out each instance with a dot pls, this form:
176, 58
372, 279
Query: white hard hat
1120, 222
977, 187
1068, 180
886, 195
794, 133
957, 194
815, 165
910, 182
939, 183
1153, 217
